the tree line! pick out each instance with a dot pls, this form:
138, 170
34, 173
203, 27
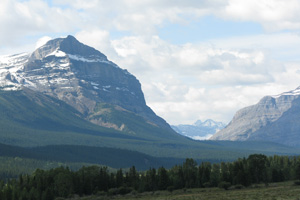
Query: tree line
63, 182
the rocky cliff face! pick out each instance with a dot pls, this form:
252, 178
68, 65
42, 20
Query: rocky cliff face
78, 75
274, 118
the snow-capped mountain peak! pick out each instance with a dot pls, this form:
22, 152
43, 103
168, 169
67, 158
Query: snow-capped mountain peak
199, 130
209, 123
294, 92
78, 74
49, 65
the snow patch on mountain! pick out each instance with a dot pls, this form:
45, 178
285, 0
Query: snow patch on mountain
292, 93
94, 84
12, 60
57, 53
10, 65
91, 60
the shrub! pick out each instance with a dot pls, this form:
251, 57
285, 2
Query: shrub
113, 191
125, 190
101, 193
207, 184
239, 186
225, 185
297, 182
170, 188
121, 190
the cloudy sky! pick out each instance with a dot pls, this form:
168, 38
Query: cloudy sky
196, 59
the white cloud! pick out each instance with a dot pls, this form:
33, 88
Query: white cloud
99, 39
182, 83
262, 41
138, 17
143, 17
34, 17
274, 15
206, 137
42, 41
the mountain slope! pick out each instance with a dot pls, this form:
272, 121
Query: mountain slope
113, 157
32, 119
285, 130
274, 118
29, 118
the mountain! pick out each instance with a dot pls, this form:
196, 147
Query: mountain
70, 96
68, 93
273, 118
199, 130
82, 77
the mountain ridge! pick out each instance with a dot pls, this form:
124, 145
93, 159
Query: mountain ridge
258, 122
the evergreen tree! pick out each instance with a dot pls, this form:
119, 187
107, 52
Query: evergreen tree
215, 175
297, 170
163, 179
132, 177
189, 169
119, 178
257, 167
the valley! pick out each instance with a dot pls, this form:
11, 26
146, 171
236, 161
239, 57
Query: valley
127, 99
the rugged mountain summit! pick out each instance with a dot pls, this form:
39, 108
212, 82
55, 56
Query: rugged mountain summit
210, 124
199, 130
273, 118
82, 77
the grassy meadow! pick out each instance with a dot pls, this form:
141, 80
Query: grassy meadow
275, 191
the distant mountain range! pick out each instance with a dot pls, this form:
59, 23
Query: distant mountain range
273, 118
199, 130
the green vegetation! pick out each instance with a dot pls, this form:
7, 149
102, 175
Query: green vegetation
12, 167
116, 158
275, 191
95, 180
31, 119
132, 124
